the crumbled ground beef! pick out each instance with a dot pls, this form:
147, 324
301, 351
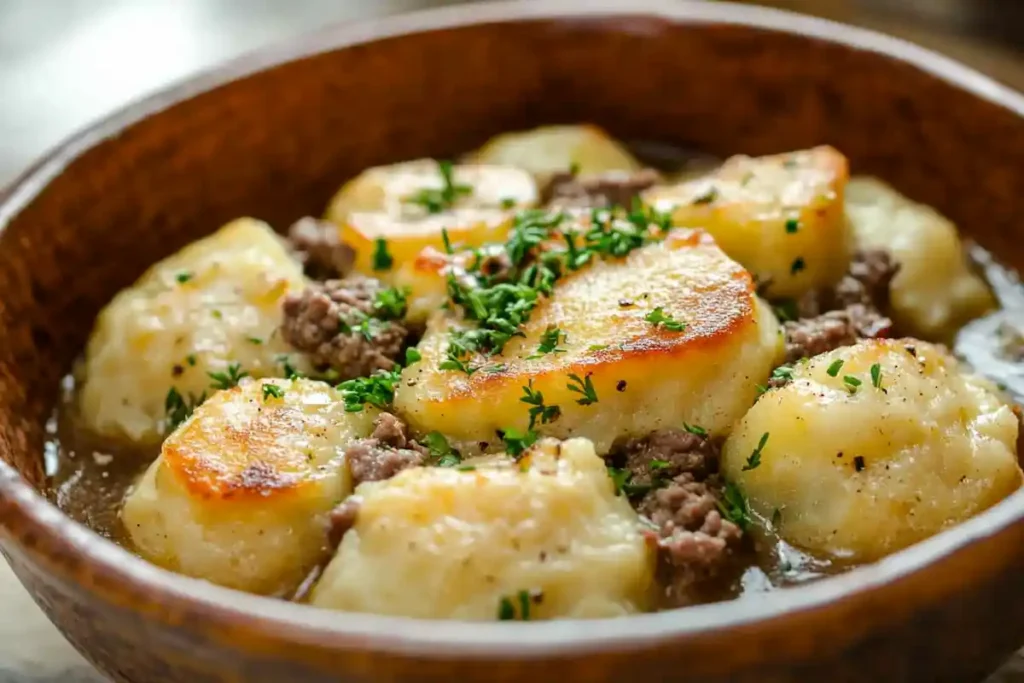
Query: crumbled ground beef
693, 540
342, 519
330, 322
319, 248
388, 451
568, 190
840, 316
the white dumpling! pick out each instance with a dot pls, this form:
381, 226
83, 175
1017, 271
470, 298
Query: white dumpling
447, 543
935, 291
241, 493
213, 307
873, 447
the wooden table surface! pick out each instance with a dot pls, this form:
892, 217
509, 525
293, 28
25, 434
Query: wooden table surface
64, 63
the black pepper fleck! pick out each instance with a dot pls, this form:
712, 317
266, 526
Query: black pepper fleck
621, 386
858, 463
177, 370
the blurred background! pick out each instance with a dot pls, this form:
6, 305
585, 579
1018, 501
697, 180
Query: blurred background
65, 63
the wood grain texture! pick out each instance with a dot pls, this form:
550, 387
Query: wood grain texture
275, 135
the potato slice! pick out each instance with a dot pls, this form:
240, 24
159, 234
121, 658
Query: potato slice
441, 543
550, 149
377, 205
645, 376
214, 307
934, 292
780, 216
858, 471
240, 494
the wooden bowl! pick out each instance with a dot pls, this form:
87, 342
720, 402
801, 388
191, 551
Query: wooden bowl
275, 133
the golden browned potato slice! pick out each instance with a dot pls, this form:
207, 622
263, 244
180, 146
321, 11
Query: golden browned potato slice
780, 216
873, 447
241, 492
934, 292
381, 204
540, 539
550, 149
642, 376
214, 307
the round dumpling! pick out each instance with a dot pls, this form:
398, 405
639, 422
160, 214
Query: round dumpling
873, 447
195, 322
935, 291
781, 216
241, 492
672, 333
543, 538
550, 149
389, 214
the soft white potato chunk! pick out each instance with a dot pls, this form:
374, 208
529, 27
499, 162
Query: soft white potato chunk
780, 216
859, 471
445, 543
214, 307
241, 492
645, 376
935, 292
378, 205
550, 149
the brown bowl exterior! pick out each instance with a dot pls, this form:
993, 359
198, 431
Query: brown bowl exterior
274, 134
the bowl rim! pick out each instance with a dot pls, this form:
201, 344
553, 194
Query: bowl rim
24, 508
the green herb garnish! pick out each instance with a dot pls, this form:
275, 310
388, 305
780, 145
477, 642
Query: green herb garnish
382, 260
754, 459
517, 442
254, 340
436, 200
695, 430
272, 390
733, 506
659, 317
535, 399
391, 303
709, 195
783, 373
792, 225
178, 409
583, 386
183, 277
798, 265
377, 390
835, 367
876, 376
852, 383
441, 451
226, 380
412, 355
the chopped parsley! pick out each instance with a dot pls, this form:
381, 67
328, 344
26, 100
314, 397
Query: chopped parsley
412, 355
183, 277
733, 506
786, 309
517, 442
178, 409
583, 386
254, 340
620, 477
382, 260
508, 202
535, 399
798, 265
695, 430
436, 200
287, 368
441, 451
782, 374
272, 390
709, 195
369, 328
391, 303
659, 317
377, 390
852, 383
792, 225
876, 376
446, 240
507, 608
754, 459
549, 340
228, 379
191, 359
597, 347
835, 367
660, 464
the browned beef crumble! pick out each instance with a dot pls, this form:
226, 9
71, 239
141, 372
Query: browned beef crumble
694, 542
612, 188
317, 245
853, 309
388, 451
342, 519
324, 322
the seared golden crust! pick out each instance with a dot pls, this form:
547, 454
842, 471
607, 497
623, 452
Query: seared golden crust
644, 375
